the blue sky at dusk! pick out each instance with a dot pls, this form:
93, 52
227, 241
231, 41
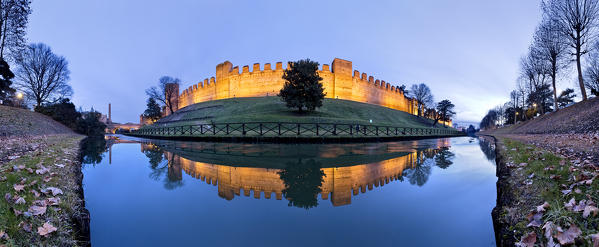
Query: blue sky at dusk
466, 51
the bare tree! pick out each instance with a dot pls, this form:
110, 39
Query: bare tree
422, 94
592, 71
42, 74
521, 87
534, 68
514, 99
577, 20
551, 46
14, 16
167, 92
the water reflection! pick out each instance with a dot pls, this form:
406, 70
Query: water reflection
212, 191
92, 150
303, 181
487, 145
163, 168
297, 174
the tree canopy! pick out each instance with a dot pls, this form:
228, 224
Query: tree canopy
302, 88
152, 111
422, 94
42, 74
444, 111
166, 92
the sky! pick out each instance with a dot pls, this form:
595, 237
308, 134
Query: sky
466, 51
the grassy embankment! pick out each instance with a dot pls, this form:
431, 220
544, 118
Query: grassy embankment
42, 202
545, 197
547, 191
272, 109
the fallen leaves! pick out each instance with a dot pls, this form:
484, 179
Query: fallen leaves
46, 229
26, 226
548, 227
542, 207
42, 170
52, 201
535, 220
569, 236
595, 239
55, 191
37, 210
20, 200
588, 210
18, 187
528, 240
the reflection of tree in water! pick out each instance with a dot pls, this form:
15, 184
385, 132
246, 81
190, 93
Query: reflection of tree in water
162, 167
422, 171
174, 178
157, 162
488, 148
302, 183
444, 157
92, 150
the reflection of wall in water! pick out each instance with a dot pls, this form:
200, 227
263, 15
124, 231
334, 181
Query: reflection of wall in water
339, 184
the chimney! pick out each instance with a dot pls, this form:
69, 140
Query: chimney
109, 114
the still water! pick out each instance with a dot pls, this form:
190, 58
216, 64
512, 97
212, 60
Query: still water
437, 192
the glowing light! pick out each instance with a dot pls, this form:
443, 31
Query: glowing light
19, 95
534, 105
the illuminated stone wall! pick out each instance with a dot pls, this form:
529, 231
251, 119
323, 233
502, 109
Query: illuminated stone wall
340, 183
340, 81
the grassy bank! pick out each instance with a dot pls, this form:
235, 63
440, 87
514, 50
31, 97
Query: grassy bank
272, 109
267, 119
544, 198
582, 117
41, 176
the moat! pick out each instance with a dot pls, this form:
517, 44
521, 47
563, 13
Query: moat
435, 192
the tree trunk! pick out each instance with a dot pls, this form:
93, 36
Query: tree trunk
579, 67
554, 89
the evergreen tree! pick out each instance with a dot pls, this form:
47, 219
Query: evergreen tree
63, 111
89, 124
444, 111
153, 111
566, 97
302, 88
7, 75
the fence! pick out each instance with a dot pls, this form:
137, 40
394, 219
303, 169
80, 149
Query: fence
287, 129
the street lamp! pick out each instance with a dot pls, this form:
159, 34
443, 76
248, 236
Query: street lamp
19, 95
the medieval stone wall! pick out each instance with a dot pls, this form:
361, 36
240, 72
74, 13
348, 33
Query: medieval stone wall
340, 81
339, 184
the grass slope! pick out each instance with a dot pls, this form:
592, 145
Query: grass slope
272, 109
582, 117
16, 121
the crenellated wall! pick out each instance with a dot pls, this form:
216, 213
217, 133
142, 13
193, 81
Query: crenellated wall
339, 184
340, 81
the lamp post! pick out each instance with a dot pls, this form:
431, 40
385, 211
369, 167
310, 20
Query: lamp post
19, 100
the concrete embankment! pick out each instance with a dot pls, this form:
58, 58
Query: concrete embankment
40, 170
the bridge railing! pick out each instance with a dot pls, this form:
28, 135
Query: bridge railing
289, 129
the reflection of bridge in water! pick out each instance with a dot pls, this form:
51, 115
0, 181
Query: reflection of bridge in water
229, 166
